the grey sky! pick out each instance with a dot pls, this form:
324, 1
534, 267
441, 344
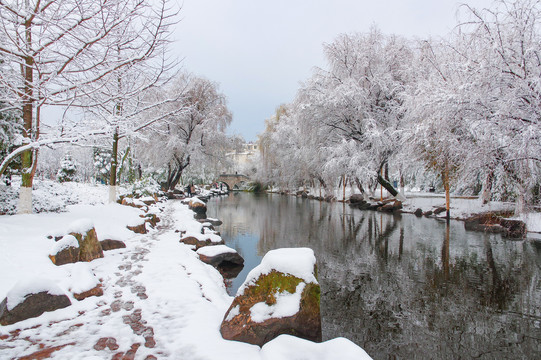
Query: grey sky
259, 51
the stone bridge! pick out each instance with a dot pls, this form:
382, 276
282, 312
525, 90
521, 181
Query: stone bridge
233, 181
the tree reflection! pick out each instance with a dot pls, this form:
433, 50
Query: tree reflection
403, 287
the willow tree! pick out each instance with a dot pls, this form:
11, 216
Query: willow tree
192, 126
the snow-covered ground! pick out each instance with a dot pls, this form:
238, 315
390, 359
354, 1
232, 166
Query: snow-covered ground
160, 301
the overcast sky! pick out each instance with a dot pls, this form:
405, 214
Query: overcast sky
259, 51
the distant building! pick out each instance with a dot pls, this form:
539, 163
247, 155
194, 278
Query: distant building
242, 160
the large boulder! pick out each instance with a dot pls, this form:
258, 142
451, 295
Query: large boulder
280, 296
31, 298
65, 251
89, 246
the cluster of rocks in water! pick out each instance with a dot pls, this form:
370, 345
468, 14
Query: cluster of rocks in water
80, 244
496, 223
487, 222
208, 244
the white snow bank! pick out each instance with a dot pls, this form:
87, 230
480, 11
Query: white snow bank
82, 278
80, 226
287, 304
25, 287
287, 347
298, 262
64, 243
215, 250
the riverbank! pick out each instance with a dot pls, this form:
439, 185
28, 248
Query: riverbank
159, 301
431, 205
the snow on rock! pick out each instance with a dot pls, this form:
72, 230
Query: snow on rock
280, 296
222, 257
26, 287
64, 243
196, 200
82, 278
287, 347
80, 226
298, 262
213, 238
286, 305
89, 245
200, 240
215, 250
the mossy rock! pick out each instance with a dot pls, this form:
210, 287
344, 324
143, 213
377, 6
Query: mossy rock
89, 246
239, 324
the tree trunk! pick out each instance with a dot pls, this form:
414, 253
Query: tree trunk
25, 192
387, 185
344, 182
176, 174
402, 184
114, 165
486, 193
446, 186
520, 206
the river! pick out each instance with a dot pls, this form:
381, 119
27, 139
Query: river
397, 285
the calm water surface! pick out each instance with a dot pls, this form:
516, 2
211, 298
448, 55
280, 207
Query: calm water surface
400, 286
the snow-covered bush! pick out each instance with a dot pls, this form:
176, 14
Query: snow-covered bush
102, 165
67, 171
8, 200
147, 186
47, 196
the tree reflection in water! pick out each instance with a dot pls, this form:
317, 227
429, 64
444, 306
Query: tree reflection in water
401, 286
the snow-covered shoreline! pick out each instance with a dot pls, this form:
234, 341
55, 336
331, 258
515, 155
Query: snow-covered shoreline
462, 207
160, 300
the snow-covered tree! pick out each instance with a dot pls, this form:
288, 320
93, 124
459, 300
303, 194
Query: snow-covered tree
190, 135
68, 169
59, 52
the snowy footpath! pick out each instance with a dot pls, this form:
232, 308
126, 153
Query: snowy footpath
159, 302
